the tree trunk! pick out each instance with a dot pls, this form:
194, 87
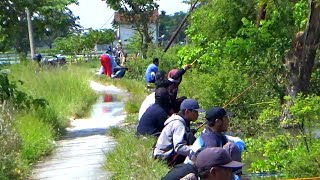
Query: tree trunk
262, 14
147, 39
299, 61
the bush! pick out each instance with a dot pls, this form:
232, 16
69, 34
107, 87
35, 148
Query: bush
10, 143
132, 158
37, 136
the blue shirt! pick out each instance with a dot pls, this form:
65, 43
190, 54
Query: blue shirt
113, 63
152, 68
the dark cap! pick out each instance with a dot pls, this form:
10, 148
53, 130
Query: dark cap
216, 113
213, 157
190, 104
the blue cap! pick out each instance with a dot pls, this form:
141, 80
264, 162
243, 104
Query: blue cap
190, 104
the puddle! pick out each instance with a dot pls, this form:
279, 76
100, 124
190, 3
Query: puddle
81, 153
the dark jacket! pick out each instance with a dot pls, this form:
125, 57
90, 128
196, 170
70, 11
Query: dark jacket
152, 121
180, 171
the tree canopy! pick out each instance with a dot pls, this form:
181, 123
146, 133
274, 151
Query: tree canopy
51, 18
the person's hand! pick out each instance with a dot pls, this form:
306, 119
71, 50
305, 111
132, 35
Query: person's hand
188, 66
227, 144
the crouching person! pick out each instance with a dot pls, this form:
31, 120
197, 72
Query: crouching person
173, 144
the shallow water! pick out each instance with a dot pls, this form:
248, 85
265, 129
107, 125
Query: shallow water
81, 153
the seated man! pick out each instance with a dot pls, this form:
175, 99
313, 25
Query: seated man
212, 136
216, 164
152, 121
173, 144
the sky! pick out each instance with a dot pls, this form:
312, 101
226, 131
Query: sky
95, 14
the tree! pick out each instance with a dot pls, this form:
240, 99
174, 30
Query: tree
169, 23
139, 13
49, 17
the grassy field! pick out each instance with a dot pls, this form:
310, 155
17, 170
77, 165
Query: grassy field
68, 94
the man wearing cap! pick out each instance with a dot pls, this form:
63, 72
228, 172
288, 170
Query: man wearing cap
152, 121
172, 144
215, 163
217, 119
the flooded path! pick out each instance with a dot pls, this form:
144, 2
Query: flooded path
81, 153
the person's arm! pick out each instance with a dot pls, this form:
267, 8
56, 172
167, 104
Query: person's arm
236, 140
181, 72
179, 143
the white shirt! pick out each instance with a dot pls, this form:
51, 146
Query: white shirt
150, 99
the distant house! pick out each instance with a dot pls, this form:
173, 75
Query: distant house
125, 30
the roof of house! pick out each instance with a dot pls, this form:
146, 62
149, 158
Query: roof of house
123, 19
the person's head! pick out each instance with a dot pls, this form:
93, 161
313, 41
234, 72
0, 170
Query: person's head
162, 97
218, 118
119, 42
216, 164
190, 109
155, 61
171, 74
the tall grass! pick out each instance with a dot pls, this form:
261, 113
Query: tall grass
132, 158
67, 90
37, 136
28, 134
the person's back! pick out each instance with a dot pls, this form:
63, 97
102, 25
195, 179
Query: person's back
106, 64
151, 71
148, 101
152, 121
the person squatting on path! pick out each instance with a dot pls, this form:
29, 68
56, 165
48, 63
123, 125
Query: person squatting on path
172, 83
152, 121
151, 71
108, 63
173, 144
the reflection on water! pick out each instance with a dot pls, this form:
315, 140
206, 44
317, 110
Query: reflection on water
107, 106
106, 112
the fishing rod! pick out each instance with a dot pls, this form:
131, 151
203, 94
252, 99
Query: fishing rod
235, 98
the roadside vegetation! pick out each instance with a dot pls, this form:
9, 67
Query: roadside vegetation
36, 105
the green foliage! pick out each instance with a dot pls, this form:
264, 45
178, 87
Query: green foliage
139, 14
10, 143
50, 19
83, 44
66, 101
137, 153
29, 125
169, 23
37, 137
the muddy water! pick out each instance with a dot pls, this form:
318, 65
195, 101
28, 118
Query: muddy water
81, 153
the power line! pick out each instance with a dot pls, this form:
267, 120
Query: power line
106, 22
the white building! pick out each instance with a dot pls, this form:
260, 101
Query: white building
125, 31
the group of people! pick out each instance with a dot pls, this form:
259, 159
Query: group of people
110, 66
213, 155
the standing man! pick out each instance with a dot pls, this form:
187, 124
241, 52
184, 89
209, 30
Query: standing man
151, 71
174, 142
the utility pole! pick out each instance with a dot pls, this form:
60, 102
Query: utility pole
179, 27
30, 32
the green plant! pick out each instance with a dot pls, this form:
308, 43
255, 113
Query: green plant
132, 151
